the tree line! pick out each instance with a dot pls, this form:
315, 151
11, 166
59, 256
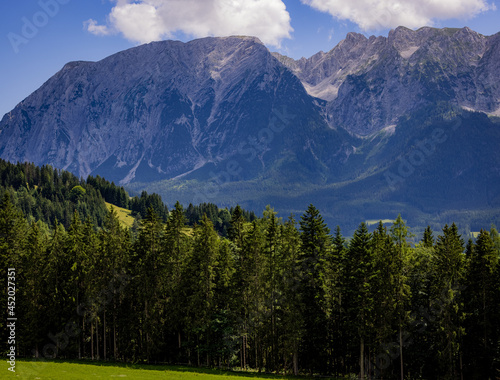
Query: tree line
51, 195
275, 295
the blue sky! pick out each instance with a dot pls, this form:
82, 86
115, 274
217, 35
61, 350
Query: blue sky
37, 37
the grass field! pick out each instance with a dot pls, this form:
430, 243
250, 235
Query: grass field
123, 215
91, 370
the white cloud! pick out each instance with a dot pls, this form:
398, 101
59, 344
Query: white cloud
383, 14
98, 30
151, 20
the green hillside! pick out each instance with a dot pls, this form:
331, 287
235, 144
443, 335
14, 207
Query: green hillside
124, 215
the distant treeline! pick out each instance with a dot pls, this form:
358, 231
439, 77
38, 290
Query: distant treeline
275, 295
49, 195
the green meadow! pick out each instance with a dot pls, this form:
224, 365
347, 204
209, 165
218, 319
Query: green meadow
91, 370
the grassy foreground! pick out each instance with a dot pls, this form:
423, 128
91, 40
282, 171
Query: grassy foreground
92, 370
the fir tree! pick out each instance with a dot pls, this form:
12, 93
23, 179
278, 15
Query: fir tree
315, 247
482, 333
428, 238
360, 288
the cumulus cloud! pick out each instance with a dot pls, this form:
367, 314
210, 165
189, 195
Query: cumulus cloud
383, 14
98, 30
150, 20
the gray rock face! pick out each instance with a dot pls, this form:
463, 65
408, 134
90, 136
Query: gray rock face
169, 109
370, 83
160, 110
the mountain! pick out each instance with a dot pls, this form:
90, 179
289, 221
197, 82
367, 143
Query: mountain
367, 130
370, 82
163, 110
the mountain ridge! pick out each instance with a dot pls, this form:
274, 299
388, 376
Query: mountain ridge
224, 120
360, 64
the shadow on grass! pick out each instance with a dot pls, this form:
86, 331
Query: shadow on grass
177, 368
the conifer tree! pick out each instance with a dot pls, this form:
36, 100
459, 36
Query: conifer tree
236, 226
177, 245
481, 322
224, 334
399, 234
290, 284
315, 246
201, 272
253, 262
428, 239
387, 267
272, 292
34, 322
333, 284
449, 272
115, 252
360, 288
149, 262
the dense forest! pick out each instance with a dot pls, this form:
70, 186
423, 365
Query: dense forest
52, 196
274, 295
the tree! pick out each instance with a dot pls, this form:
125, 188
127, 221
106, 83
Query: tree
12, 233
334, 288
399, 234
315, 246
236, 227
224, 334
177, 246
479, 295
253, 293
359, 285
201, 285
34, 323
271, 276
419, 355
113, 262
292, 323
77, 255
449, 272
386, 263
428, 239
149, 261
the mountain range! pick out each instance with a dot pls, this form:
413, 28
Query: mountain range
377, 126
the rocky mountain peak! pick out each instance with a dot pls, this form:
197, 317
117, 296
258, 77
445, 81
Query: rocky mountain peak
381, 78
353, 38
161, 109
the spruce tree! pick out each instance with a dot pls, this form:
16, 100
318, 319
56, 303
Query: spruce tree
360, 289
201, 286
315, 247
334, 287
149, 261
177, 245
479, 297
236, 226
290, 284
428, 238
385, 291
399, 234
446, 299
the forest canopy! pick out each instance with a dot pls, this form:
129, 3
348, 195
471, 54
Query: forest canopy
221, 287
